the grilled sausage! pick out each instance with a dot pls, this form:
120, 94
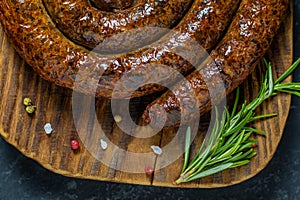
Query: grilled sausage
248, 37
87, 26
59, 60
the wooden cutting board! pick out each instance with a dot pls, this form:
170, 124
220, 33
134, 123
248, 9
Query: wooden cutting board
54, 105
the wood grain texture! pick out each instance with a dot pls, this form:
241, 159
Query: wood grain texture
54, 105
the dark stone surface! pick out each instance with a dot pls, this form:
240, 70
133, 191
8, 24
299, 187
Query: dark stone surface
22, 178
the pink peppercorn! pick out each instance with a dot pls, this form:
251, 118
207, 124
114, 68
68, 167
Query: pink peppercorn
149, 170
74, 144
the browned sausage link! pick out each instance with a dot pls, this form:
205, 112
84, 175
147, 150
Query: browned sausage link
87, 26
249, 36
57, 59
110, 5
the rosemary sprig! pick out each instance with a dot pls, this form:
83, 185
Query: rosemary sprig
228, 144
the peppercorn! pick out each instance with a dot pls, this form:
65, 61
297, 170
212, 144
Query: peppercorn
74, 144
27, 101
149, 170
30, 109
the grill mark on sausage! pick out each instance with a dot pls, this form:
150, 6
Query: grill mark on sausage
57, 59
249, 36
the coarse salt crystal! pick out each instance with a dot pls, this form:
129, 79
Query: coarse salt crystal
103, 144
118, 118
156, 149
48, 129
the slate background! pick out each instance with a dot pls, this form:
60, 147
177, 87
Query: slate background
22, 178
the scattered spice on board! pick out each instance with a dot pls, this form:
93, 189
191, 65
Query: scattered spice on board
118, 118
156, 149
74, 144
30, 108
149, 170
48, 129
103, 144
27, 101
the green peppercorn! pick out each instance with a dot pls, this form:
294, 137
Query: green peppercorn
30, 109
27, 101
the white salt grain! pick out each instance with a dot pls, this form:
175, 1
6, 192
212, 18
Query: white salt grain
156, 149
48, 129
103, 144
118, 118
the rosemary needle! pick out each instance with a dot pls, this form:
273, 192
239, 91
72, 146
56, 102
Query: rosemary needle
228, 145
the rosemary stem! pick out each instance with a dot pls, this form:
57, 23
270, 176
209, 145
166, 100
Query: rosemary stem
229, 145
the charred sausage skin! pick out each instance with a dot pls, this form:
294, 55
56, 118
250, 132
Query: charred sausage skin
58, 59
248, 38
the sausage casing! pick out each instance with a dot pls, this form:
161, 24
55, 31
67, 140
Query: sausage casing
247, 39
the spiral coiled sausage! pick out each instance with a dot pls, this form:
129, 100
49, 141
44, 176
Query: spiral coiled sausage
58, 59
